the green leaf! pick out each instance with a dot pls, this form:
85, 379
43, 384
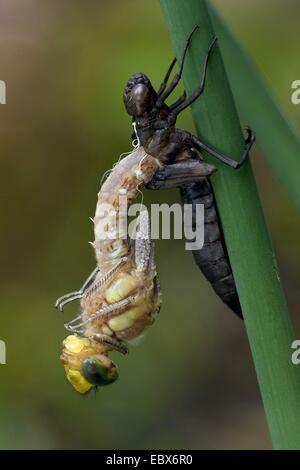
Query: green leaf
276, 136
254, 266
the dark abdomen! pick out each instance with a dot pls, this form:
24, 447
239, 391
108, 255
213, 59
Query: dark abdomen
212, 258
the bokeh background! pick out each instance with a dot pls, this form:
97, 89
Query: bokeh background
191, 383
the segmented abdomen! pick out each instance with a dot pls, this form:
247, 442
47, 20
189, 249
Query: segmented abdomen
212, 258
126, 179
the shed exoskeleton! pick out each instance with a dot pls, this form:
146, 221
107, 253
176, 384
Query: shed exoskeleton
180, 153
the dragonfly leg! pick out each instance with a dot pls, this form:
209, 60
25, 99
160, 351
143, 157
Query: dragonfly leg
194, 96
77, 294
164, 93
143, 246
111, 310
144, 251
199, 145
105, 277
91, 284
180, 100
167, 76
184, 172
109, 341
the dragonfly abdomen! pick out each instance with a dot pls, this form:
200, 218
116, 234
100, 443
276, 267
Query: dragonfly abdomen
212, 258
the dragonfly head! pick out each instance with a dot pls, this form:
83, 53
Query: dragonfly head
139, 96
85, 366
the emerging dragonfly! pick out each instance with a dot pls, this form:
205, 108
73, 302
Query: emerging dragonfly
122, 296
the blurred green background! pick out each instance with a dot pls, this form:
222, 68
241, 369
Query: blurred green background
191, 383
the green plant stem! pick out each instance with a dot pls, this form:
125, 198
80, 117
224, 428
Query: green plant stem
277, 137
254, 266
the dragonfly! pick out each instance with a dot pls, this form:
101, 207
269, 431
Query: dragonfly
122, 297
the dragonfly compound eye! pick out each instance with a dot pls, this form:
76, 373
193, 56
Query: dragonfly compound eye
85, 367
97, 373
